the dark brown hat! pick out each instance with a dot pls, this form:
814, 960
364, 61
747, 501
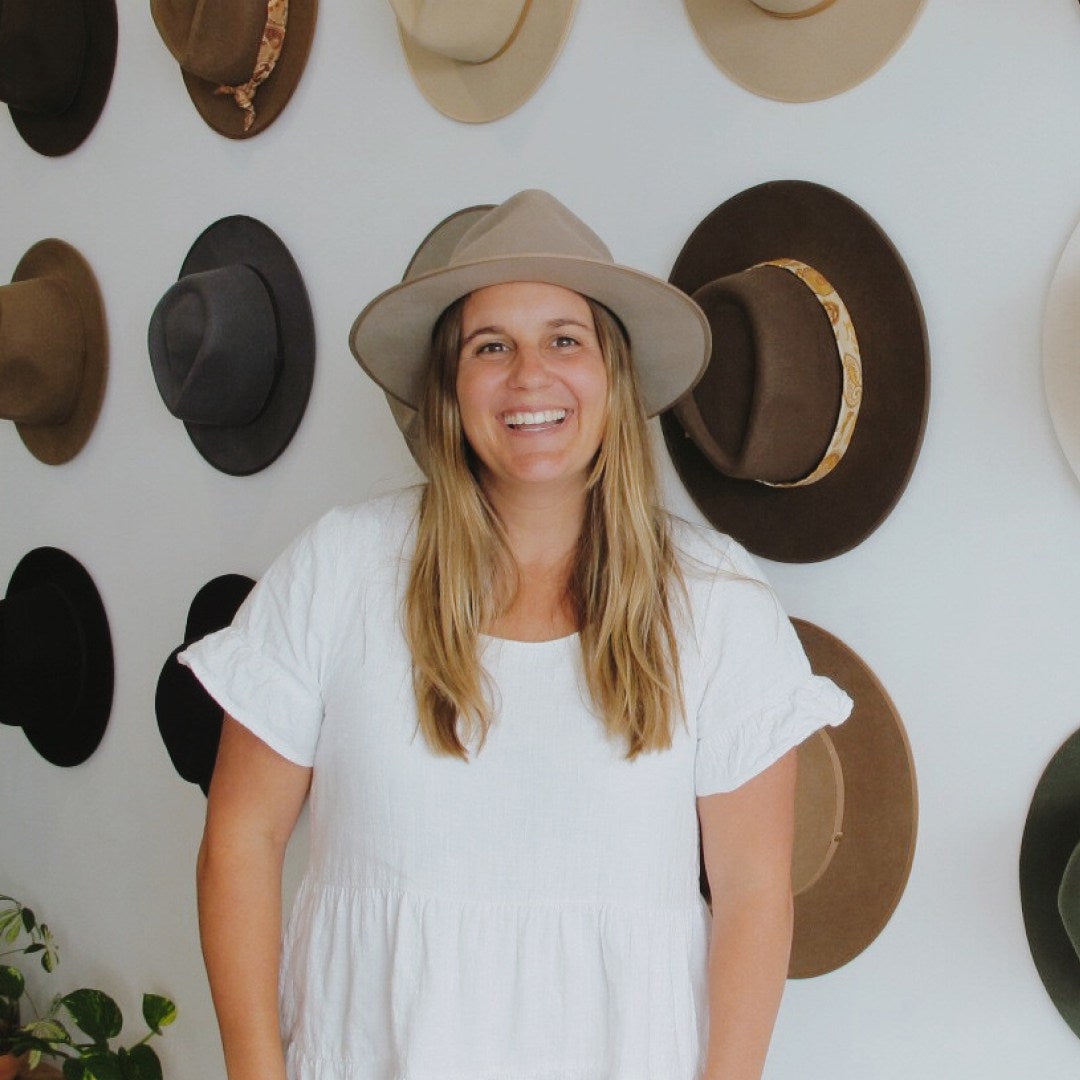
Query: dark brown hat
56, 67
257, 48
188, 718
53, 351
803, 432
1050, 879
232, 345
56, 660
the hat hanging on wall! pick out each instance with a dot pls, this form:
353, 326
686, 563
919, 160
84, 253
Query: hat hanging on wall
188, 718
432, 254
801, 50
477, 62
856, 817
56, 67
232, 345
803, 432
56, 659
54, 353
1060, 362
241, 60
1050, 879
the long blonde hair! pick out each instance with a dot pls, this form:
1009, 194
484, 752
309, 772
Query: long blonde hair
623, 585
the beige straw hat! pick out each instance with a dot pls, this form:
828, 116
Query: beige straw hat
801, 50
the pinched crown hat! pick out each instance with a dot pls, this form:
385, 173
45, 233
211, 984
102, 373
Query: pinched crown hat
241, 60
56, 67
802, 433
53, 351
801, 50
188, 718
478, 60
232, 345
56, 660
533, 237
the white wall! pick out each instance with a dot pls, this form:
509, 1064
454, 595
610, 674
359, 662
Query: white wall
966, 149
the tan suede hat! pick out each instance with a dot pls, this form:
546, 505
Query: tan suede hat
54, 353
1060, 363
241, 60
533, 237
801, 50
478, 60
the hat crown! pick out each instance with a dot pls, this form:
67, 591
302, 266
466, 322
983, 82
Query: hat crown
213, 345
529, 223
471, 31
43, 46
215, 41
792, 8
42, 351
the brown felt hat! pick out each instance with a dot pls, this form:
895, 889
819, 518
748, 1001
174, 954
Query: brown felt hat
56, 67
221, 44
801, 50
478, 60
53, 351
856, 816
801, 435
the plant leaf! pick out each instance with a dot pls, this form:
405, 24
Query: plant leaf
7, 917
28, 920
12, 983
101, 1065
142, 1064
95, 1013
158, 1012
73, 1069
49, 1030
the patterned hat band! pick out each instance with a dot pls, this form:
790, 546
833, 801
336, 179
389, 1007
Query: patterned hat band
270, 45
847, 349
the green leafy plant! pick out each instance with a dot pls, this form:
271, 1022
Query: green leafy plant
77, 1028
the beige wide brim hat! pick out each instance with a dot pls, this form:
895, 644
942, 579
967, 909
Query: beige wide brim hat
1061, 350
815, 55
477, 93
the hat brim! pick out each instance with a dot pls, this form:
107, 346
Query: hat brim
846, 908
805, 221
1061, 370
61, 133
1051, 833
479, 93
802, 59
247, 448
669, 335
188, 718
222, 113
70, 740
55, 444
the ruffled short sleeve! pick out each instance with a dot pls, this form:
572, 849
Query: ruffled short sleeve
267, 669
760, 698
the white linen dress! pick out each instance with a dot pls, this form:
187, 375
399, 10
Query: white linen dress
533, 913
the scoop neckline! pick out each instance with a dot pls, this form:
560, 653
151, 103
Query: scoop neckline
518, 643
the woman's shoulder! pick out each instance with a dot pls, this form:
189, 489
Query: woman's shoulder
705, 553
377, 521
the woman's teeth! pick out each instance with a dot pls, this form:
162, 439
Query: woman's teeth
534, 419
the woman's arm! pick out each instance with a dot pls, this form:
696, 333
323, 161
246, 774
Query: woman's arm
747, 838
255, 798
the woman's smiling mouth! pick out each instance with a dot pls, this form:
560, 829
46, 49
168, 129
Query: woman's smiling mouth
533, 421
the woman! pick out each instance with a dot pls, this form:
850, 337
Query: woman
512, 696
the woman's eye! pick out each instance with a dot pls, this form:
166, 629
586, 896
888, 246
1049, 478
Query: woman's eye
490, 347
563, 341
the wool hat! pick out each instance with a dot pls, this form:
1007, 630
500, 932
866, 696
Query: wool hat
1050, 879
1060, 366
801, 50
54, 353
241, 60
533, 237
801, 435
188, 718
232, 345
479, 60
56, 67
56, 659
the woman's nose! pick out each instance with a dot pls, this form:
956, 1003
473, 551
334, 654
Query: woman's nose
528, 368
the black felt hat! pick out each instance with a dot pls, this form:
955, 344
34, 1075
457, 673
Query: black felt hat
56, 67
790, 274
188, 718
56, 659
232, 345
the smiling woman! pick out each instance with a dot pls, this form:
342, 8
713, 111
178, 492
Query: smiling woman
520, 695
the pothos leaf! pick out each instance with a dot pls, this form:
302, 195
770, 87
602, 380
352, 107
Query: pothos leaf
95, 1013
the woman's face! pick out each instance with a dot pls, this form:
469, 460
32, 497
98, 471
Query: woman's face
531, 385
